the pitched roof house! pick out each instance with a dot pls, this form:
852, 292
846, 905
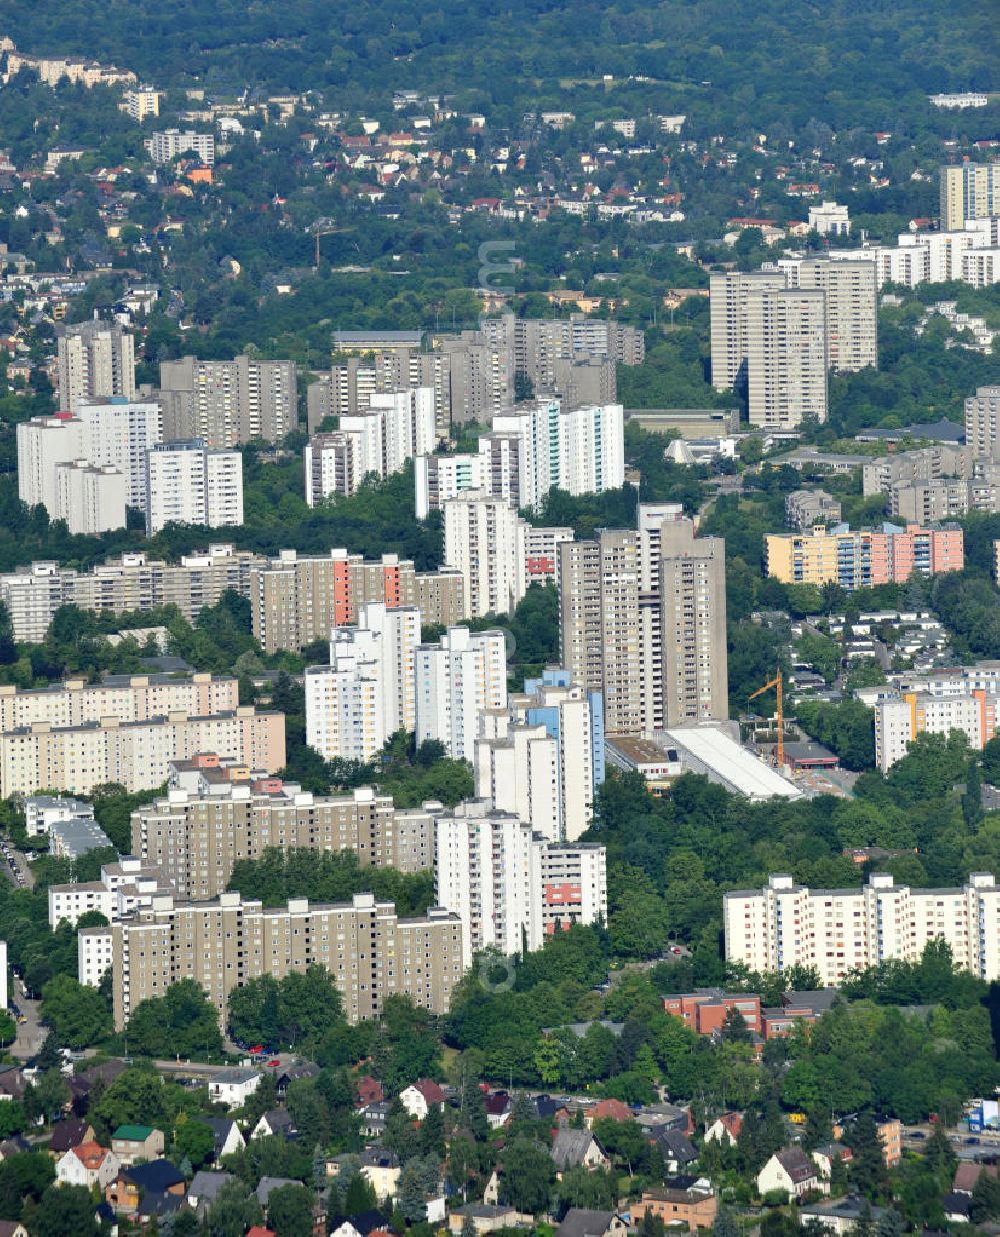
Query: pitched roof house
572, 1148
792, 1171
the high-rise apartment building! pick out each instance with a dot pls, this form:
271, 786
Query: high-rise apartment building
377, 442
43, 443
32, 594
969, 191
786, 357
482, 541
194, 839
542, 758
841, 930
533, 448
367, 692
122, 887
119, 432
95, 361
851, 308
370, 951
693, 625
167, 144
982, 421
136, 754
461, 676
91, 498
189, 483
864, 557
297, 599
436, 478
574, 718
599, 623
140, 102
728, 301
510, 887
225, 403
642, 621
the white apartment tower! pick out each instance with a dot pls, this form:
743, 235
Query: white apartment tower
43, 443
436, 478
189, 483
394, 428
841, 930
90, 497
457, 679
368, 691
509, 886
483, 540
120, 432
95, 361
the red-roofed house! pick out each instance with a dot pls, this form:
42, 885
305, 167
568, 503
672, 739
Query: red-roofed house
725, 1130
87, 1165
420, 1097
608, 1110
369, 1091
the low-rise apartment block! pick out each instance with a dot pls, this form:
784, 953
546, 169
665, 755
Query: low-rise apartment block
841, 930
122, 888
194, 839
167, 144
136, 754
134, 581
297, 599
932, 502
861, 558
805, 508
369, 950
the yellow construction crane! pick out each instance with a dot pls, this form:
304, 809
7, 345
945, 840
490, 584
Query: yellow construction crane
777, 683
324, 227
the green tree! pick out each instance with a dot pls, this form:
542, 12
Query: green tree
181, 1023
234, 1210
289, 1211
194, 1142
528, 1174
77, 1013
24, 1179
64, 1212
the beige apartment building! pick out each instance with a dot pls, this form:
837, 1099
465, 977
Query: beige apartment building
851, 291
124, 697
297, 599
642, 621
195, 839
840, 930
969, 191
371, 952
137, 754
787, 360
225, 403
133, 581
729, 299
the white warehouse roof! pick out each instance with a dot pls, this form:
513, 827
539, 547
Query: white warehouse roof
709, 750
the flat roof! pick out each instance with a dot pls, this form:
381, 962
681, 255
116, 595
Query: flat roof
729, 763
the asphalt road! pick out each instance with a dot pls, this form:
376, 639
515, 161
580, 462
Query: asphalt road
30, 1033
